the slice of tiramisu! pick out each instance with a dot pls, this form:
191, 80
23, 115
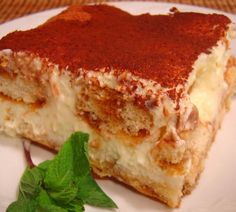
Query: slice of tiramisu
150, 90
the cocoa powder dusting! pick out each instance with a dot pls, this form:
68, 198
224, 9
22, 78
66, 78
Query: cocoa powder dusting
161, 47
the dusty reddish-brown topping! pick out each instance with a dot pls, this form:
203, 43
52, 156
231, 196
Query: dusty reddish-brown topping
162, 47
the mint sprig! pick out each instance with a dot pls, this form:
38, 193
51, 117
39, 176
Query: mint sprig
62, 184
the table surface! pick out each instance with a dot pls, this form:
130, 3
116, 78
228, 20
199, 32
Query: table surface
11, 9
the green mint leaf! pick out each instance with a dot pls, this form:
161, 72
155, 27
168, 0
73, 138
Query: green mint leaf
31, 182
26, 205
70, 162
43, 198
64, 195
45, 164
77, 205
92, 194
50, 208
59, 173
79, 145
46, 204
63, 184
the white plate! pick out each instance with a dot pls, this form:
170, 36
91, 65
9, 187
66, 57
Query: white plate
217, 188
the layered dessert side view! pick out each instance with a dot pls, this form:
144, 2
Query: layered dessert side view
151, 91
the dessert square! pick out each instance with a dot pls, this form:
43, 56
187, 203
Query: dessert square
151, 90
